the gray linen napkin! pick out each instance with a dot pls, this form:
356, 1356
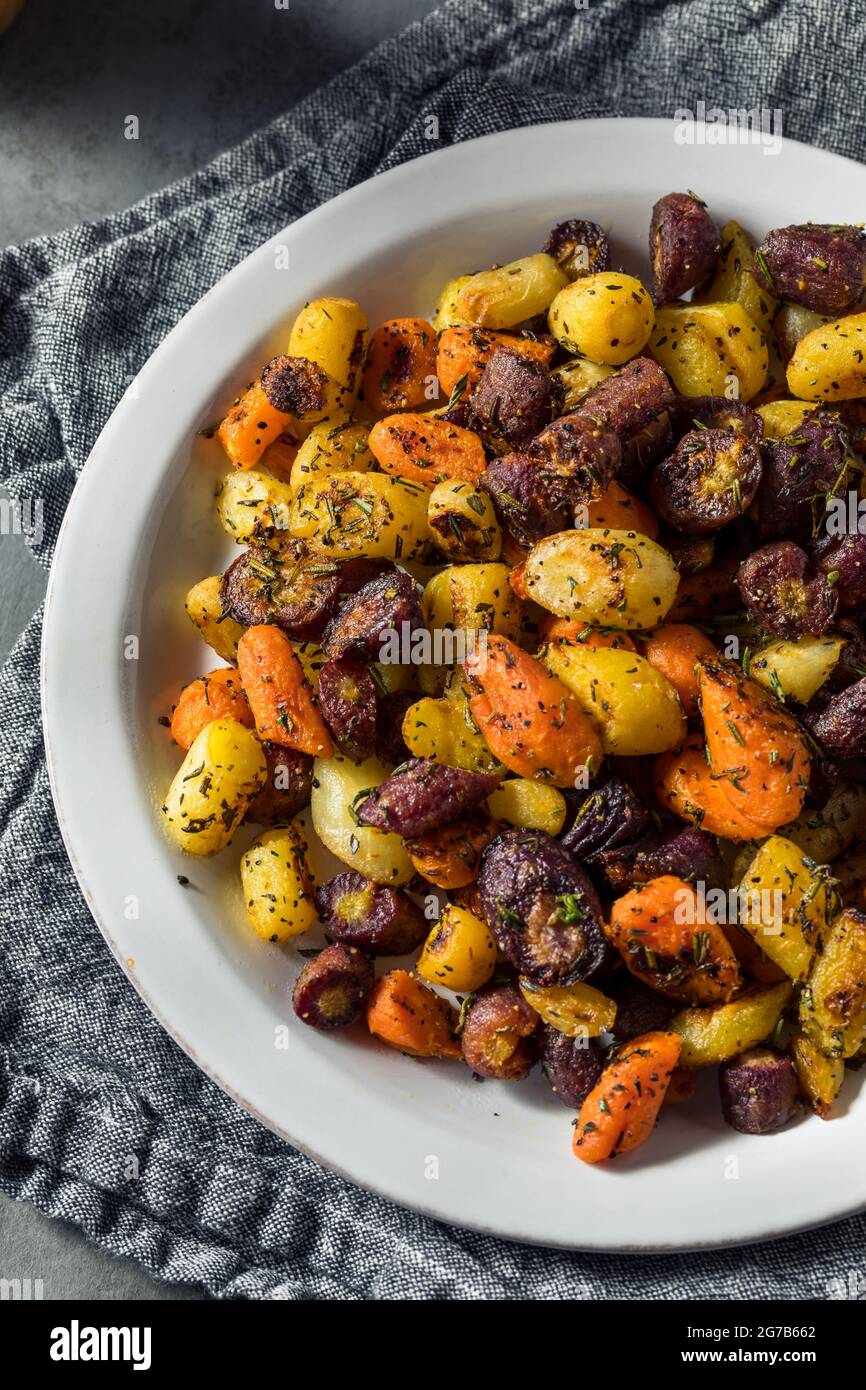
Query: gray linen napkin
87, 1078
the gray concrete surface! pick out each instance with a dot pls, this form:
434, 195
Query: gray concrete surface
200, 75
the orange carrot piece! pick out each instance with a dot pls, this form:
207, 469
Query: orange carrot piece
218, 695
621, 1110
531, 721
451, 856
711, 590
684, 783
279, 457
401, 365
620, 509
464, 353
517, 580
756, 749
681, 1087
425, 449
280, 699
661, 931
552, 629
675, 649
250, 427
407, 1015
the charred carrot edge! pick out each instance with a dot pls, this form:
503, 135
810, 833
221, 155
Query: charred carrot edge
666, 940
463, 354
401, 363
620, 509
250, 427
675, 649
280, 699
620, 1112
218, 695
531, 721
425, 449
407, 1015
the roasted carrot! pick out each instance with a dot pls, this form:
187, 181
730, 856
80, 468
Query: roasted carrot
464, 353
517, 580
685, 784
675, 649
531, 721
279, 457
290, 390
425, 449
251, 426
407, 1015
553, 629
279, 696
681, 1087
218, 695
451, 856
401, 366
618, 508
661, 931
711, 590
756, 749
620, 1112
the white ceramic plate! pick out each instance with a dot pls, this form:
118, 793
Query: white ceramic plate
141, 529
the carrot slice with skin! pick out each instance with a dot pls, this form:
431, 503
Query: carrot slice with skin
219, 695
463, 354
401, 364
661, 930
517, 580
407, 1015
250, 427
552, 629
711, 590
756, 749
621, 1110
675, 649
279, 457
618, 509
280, 699
685, 785
425, 449
749, 773
531, 721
